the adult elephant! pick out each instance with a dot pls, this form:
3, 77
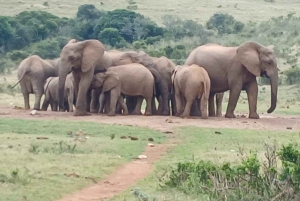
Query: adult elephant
236, 69
83, 59
32, 74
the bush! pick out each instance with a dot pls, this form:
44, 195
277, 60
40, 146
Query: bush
249, 180
110, 36
292, 75
224, 24
18, 55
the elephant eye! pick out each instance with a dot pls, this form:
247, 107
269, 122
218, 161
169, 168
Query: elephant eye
71, 58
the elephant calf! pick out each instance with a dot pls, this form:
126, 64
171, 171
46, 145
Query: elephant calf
51, 93
191, 83
131, 80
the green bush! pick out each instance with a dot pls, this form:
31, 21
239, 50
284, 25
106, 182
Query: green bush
224, 24
110, 36
249, 180
18, 55
292, 75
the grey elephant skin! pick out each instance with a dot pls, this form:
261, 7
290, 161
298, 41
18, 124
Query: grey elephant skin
83, 59
133, 80
191, 83
235, 69
32, 74
161, 68
51, 94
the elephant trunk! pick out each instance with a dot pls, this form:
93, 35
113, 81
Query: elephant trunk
156, 75
61, 90
274, 86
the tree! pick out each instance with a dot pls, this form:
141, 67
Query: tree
110, 36
88, 12
224, 24
6, 32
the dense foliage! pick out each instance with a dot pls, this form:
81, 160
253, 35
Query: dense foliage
251, 179
39, 32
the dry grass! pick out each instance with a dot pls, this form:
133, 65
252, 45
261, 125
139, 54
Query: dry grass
199, 10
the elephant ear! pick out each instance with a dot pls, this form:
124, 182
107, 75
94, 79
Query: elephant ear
111, 81
93, 51
72, 41
248, 55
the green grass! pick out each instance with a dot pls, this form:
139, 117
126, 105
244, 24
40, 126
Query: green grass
204, 144
243, 10
34, 169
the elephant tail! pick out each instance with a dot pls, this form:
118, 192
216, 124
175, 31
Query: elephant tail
24, 73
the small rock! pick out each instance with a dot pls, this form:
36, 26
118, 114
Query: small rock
150, 145
150, 139
232, 150
134, 138
142, 157
33, 112
244, 122
42, 138
217, 132
168, 132
289, 128
123, 137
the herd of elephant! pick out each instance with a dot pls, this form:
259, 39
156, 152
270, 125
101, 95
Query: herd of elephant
116, 82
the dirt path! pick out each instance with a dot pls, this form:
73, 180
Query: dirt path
127, 175
123, 177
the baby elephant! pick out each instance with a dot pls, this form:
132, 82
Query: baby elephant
51, 93
131, 80
190, 83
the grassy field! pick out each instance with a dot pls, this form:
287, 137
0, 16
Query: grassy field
203, 144
200, 11
45, 169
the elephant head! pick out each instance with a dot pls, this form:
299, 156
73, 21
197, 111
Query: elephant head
81, 57
261, 61
107, 80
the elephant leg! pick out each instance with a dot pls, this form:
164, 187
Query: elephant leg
84, 85
45, 102
211, 105
55, 106
113, 102
101, 103
195, 110
149, 102
123, 105
187, 109
233, 99
26, 100
38, 92
203, 101
153, 106
119, 108
131, 103
137, 109
94, 106
173, 104
252, 91
160, 105
178, 99
107, 101
70, 101
219, 99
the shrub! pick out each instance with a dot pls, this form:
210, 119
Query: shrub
292, 75
249, 180
18, 55
110, 36
224, 24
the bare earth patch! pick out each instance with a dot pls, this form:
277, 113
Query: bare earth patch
128, 174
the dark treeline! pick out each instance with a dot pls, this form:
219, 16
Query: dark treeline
39, 32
